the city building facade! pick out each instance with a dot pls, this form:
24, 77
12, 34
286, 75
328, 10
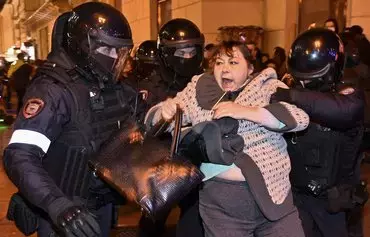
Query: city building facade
281, 20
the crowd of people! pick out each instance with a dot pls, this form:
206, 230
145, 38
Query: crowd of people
15, 77
292, 128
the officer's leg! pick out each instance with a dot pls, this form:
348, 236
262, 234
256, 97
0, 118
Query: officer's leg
190, 223
305, 206
355, 216
20, 95
104, 217
355, 222
9, 97
331, 224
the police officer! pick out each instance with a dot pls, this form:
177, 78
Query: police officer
357, 73
71, 107
180, 55
147, 65
146, 59
325, 155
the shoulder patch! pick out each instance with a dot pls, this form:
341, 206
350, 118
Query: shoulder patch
32, 107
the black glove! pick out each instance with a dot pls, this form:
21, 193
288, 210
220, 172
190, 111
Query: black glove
281, 94
73, 220
78, 222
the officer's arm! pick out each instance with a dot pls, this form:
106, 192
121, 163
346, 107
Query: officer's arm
337, 111
37, 126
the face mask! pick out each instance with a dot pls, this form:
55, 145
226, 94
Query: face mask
185, 66
105, 62
145, 70
108, 61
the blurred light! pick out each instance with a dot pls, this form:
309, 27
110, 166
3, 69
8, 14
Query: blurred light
317, 43
101, 20
3, 128
182, 33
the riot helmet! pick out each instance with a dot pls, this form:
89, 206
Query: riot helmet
146, 58
58, 36
99, 39
180, 47
317, 59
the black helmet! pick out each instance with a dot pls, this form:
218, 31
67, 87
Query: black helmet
317, 58
147, 52
146, 58
174, 38
99, 38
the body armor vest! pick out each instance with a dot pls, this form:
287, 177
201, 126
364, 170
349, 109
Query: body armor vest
322, 158
95, 113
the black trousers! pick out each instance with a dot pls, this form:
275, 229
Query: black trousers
189, 224
20, 95
355, 222
316, 220
355, 216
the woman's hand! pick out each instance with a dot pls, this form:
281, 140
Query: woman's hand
169, 109
230, 109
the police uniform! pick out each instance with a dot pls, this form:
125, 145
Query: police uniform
324, 157
170, 76
68, 113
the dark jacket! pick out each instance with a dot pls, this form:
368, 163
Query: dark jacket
59, 130
162, 84
325, 154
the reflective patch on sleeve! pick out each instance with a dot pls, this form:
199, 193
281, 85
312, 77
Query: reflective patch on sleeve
30, 137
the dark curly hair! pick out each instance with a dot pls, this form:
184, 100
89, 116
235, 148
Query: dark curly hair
227, 48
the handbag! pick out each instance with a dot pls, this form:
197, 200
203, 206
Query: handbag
149, 171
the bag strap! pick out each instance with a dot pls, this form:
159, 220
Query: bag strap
177, 132
160, 127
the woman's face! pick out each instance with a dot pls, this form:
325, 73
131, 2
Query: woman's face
330, 26
231, 72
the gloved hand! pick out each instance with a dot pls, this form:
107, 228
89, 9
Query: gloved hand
281, 94
78, 222
73, 220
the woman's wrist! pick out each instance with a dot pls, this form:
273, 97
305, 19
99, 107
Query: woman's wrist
261, 116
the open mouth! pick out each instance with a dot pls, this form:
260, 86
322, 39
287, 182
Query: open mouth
227, 83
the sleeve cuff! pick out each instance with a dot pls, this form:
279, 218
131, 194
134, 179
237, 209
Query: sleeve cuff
287, 121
